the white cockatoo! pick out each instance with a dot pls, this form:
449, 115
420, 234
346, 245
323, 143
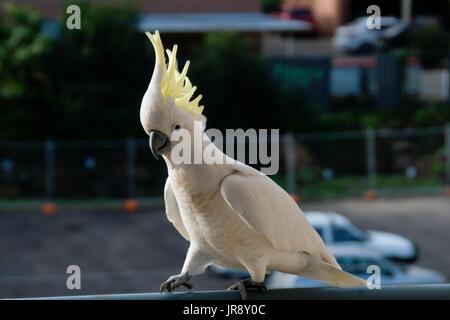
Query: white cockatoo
231, 214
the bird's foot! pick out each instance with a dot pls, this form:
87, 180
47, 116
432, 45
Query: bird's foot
248, 284
176, 281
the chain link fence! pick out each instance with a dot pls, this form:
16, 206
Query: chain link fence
312, 165
387, 161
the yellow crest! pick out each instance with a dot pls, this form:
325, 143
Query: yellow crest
173, 83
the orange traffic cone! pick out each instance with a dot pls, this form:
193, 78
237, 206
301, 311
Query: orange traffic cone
49, 208
130, 205
370, 195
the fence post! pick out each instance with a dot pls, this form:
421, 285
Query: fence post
289, 155
388, 77
447, 153
371, 158
448, 79
49, 147
131, 163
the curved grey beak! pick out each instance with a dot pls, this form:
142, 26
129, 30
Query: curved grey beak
159, 143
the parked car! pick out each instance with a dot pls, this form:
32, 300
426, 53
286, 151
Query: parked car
355, 260
356, 37
336, 229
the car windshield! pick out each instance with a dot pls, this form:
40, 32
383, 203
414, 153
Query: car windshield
349, 233
319, 231
359, 265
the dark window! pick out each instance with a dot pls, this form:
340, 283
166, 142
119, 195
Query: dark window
341, 234
346, 263
320, 232
357, 265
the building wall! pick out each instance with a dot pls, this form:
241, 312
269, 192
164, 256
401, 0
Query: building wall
328, 14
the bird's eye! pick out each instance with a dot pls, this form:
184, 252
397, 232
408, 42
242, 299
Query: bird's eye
177, 127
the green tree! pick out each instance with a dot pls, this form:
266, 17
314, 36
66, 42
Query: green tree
269, 6
104, 72
85, 83
24, 57
431, 43
237, 89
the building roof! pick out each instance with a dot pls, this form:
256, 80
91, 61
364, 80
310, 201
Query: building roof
52, 9
195, 6
207, 22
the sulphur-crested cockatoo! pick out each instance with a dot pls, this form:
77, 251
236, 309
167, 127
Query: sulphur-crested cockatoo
232, 214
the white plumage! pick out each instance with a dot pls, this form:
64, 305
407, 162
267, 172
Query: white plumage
231, 214
246, 221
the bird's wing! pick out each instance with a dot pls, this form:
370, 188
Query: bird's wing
173, 211
270, 211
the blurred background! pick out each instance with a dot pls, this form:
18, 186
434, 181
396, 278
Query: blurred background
363, 114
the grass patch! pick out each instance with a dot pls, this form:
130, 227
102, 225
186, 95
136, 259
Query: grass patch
351, 186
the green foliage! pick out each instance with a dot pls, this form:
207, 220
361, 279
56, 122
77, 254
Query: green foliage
235, 83
371, 121
436, 113
344, 186
432, 36
24, 61
431, 43
87, 83
437, 163
269, 6
104, 73
308, 174
353, 185
409, 114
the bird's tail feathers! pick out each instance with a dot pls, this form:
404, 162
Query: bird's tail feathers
334, 276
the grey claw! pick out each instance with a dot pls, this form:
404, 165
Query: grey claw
244, 285
176, 281
164, 287
240, 286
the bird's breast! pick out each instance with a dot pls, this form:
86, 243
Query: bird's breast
212, 224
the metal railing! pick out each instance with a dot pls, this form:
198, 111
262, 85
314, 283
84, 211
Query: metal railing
422, 292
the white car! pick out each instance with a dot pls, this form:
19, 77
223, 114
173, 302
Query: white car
355, 260
357, 37
336, 229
